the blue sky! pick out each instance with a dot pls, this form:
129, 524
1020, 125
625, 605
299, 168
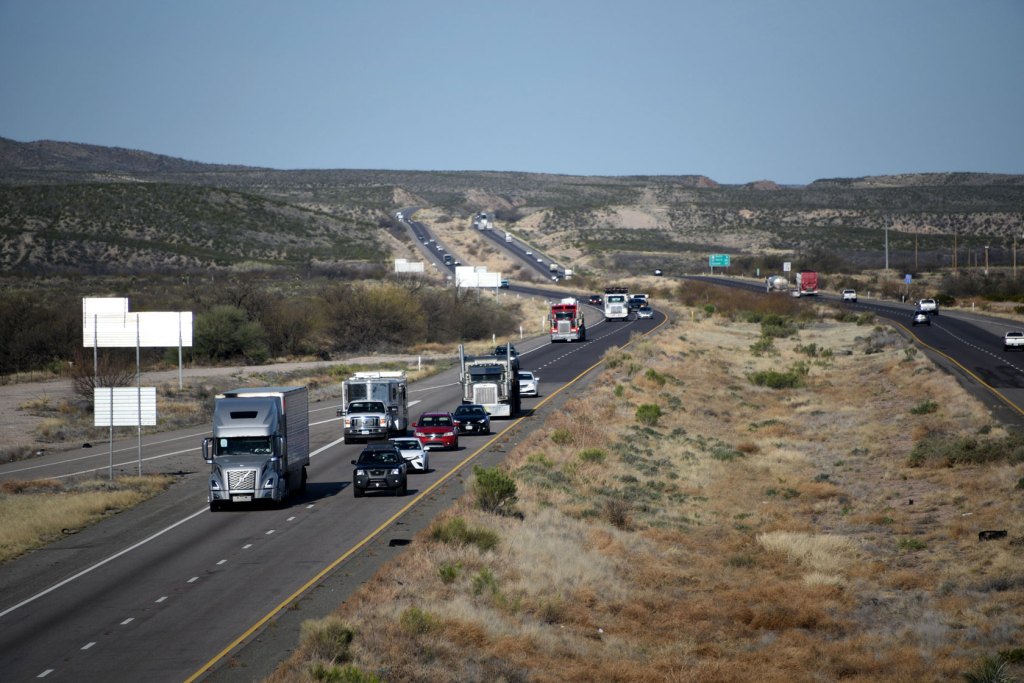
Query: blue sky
737, 90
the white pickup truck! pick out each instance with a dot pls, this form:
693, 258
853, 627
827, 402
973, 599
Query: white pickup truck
1013, 341
930, 306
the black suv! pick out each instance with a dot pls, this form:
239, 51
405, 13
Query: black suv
380, 467
501, 351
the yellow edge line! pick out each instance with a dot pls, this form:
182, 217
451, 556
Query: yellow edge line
373, 534
956, 363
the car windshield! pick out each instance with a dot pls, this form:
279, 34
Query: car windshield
435, 421
469, 411
379, 457
407, 444
525, 376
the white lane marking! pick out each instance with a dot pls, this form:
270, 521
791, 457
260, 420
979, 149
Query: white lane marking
193, 579
103, 562
161, 598
45, 673
310, 506
270, 531
290, 519
221, 562
127, 621
88, 645
246, 546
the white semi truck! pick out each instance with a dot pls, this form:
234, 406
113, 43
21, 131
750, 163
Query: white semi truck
259, 450
375, 405
616, 303
492, 381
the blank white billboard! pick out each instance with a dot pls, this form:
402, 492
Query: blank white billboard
151, 328
127, 402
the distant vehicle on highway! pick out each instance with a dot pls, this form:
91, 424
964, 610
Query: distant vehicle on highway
595, 300
850, 295
921, 318
1013, 340
644, 312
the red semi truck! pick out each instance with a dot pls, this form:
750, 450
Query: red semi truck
566, 321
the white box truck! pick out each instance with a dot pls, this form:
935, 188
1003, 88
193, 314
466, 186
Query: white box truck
260, 445
375, 405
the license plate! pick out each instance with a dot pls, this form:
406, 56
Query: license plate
364, 431
241, 499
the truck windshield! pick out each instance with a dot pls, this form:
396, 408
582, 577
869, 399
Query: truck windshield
245, 445
486, 373
616, 299
563, 315
366, 407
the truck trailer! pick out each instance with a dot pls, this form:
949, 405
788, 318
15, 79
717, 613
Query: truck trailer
566, 322
259, 450
806, 283
375, 405
492, 381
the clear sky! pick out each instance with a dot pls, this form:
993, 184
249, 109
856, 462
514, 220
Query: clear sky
737, 90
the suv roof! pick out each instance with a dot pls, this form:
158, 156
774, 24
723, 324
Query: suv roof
380, 452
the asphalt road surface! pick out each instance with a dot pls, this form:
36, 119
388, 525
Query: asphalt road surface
169, 591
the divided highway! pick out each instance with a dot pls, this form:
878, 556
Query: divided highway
969, 345
169, 591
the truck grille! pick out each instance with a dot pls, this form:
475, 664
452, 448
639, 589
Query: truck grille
364, 422
564, 327
242, 480
485, 394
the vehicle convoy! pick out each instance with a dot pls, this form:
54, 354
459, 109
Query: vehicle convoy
776, 283
491, 380
260, 445
375, 406
806, 283
930, 306
380, 467
1013, 341
566, 322
616, 303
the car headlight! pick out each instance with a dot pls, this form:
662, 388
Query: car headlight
448, 434
360, 473
396, 470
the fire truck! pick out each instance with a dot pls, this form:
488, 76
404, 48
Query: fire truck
566, 321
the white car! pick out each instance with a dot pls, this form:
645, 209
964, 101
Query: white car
1013, 339
413, 453
850, 295
529, 384
644, 312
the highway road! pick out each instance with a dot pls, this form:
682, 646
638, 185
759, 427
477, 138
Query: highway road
967, 344
169, 591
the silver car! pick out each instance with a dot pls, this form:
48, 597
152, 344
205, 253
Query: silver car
529, 384
412, 452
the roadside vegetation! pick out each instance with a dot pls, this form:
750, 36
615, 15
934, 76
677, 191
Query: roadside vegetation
37, 512
682, 522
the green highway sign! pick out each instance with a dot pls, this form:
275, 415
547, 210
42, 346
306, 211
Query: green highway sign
718, 260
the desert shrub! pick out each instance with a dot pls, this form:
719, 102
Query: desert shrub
764, 346
924, 407
593, 455
455, 531
495, 490
777, 326
616, 511
655, 376
224, 332
327, 639
944, 451
561, 436
448, 572
332, 673
484, 581
648, 414
773, 379
990, 670
415, 621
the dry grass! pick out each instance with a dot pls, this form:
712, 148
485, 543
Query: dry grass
34, 513
751, 534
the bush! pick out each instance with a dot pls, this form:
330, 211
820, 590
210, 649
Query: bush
773, 379
777, 326
415, 621
327, 639
593, 455
764, 346
924, 407
455, 531
224, 333
648, 414
942, 451
561, 436
494, 489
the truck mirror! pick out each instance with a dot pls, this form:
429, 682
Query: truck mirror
207, 444
392, 409
353, 462
281, 446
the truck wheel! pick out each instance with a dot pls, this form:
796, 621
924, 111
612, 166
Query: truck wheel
357, 492
215, 506
346, 441
401, 490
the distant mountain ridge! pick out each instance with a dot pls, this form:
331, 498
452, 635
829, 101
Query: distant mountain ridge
51, 155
